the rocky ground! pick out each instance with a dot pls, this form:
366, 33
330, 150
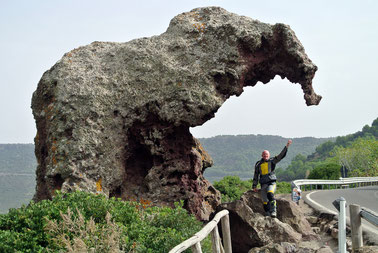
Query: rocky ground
296, 229
327, 229
308, 211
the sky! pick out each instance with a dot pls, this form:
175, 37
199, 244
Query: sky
339, 36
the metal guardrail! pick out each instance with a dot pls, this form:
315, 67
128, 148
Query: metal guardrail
369, 215
212, 226
341, 181
356, 213
356, 181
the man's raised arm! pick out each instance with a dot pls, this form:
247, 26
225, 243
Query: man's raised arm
279, 157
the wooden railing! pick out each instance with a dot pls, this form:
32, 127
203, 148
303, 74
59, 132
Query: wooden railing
211, 227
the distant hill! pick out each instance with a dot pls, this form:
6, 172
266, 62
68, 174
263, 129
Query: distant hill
17, 175
17, 158
237, 154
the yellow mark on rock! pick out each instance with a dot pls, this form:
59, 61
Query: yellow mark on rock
99, 185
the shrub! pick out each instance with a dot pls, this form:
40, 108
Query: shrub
283, 187
326, 171
232, 187
81, 221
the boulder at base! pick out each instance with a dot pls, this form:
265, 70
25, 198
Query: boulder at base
114, 118
251, 229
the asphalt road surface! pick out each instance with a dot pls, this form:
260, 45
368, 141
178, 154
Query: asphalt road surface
363, 196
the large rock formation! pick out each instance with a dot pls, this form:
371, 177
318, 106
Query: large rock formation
114, 117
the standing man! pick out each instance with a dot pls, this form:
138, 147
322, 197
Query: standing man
264, 169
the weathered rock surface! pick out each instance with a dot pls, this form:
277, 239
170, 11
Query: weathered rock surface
251, 229
114, 117
305, 247
368, 249
287, 212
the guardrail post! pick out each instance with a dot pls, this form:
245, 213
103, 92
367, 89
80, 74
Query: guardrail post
225, 220
342, 227
355, 224
292, 189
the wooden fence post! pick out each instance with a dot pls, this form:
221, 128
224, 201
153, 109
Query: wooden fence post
215, 239
196, 248
355, 224
226, 233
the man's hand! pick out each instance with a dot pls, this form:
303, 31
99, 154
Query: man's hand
255, 190
289, 143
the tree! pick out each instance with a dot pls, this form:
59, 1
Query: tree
360, 158
297, 169
325, 147
325, 171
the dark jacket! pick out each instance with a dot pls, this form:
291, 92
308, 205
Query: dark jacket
265, 169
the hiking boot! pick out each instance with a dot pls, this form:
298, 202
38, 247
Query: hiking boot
267, 214
273, 208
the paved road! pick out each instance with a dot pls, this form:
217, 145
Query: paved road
363, 196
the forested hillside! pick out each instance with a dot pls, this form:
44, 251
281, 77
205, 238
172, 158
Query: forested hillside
357, 152
324, 150
236, 155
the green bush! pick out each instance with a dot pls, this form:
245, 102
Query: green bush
283, 187
326, 171
83, 221
232, 187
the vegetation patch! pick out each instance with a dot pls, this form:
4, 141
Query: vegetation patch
232, 187
84, 222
